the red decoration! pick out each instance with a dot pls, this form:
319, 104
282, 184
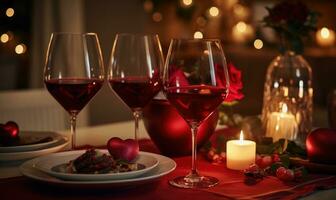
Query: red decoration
285, 174
169, 131
126, 150
236, 84
9, 132
235, 77
321, 145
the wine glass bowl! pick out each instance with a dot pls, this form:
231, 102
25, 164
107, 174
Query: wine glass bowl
195, 82
134, 71
73, 72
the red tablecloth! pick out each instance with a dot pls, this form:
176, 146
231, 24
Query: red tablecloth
231, 186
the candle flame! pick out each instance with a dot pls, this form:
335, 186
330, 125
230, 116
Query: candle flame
241, 137
284, 108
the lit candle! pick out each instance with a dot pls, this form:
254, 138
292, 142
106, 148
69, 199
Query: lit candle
325, 37
281, 125
240, 154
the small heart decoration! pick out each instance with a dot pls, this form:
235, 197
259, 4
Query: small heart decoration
9, 132
126, 150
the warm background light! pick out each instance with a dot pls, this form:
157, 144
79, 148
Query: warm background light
157, 17
242, 32
240, 11
258, 44
4, 38
214, 11
241, 26
325, 37
148, 6
198, 35
20, 49
10, 12
186, 3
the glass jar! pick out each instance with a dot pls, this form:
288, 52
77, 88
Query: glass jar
288, 98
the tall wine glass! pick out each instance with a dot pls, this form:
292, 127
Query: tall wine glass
134, 71
73, 72
195, 82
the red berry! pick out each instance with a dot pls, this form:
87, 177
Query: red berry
223, 155
210, 154
215, 157
276, 158
298, 173
253, 168
265, 161
285, 174
258, 159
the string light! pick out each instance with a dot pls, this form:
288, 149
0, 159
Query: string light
325, 37
241, 32
325, 32
4, 38
241, 26
186, 3
198, 35
10, 12
240, 11
157, 17
20, 48
258, 44
214, 11
148, 6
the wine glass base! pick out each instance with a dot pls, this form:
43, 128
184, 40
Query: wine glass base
203, 182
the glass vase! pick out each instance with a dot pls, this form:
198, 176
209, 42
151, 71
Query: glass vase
288, 98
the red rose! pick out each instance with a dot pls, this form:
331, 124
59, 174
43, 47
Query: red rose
289, 12
236, 84
179, 78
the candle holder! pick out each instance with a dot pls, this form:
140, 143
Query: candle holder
288, 105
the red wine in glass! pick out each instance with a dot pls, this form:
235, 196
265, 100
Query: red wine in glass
136, 92
73, 72
73, 93
195, 82
134, 71
195, 103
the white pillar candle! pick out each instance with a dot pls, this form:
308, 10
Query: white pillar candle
281, 125
240, 154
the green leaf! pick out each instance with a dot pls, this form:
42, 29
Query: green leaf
294, 150
275, 166
285, 160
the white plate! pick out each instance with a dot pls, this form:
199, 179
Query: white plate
33, 135
48, 162
165, 166
16, 156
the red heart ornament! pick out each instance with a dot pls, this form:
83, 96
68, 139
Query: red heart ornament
321, 145
9, 132
12, 128
123, 149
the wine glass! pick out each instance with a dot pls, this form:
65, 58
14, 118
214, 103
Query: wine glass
73, 72
134, 71
195, 82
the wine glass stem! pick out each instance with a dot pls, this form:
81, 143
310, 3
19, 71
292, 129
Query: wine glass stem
73, 130
136, 115
194, 129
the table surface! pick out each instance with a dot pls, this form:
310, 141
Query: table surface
98, 135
